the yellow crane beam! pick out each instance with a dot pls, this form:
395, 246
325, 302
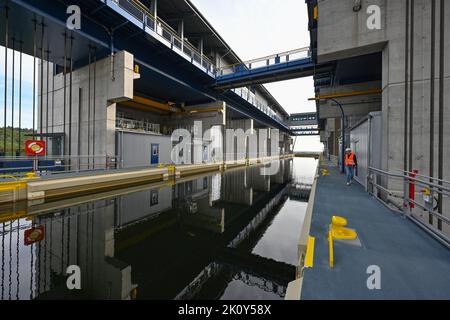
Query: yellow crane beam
347, 94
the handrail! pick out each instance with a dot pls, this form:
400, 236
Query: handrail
277, 55
167, 28
411, 178
426, 177
410, 201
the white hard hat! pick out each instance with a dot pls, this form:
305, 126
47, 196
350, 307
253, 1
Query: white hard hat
348, 150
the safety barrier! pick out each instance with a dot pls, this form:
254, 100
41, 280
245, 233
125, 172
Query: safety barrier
267, 61
50, 165
251, 98
166, 34
415, 195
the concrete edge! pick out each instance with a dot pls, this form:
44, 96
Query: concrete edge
294, 289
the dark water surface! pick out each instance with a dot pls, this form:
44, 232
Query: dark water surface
230, 236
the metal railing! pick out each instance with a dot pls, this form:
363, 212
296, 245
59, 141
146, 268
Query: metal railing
50, 165
251, 98
167, 34
268, 61
138, 125
170, 37
415, 195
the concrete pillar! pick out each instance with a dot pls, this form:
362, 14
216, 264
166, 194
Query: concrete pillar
235, 189
107, 93
238, 138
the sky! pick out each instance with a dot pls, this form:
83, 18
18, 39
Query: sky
27, 89
257, 28
253, 29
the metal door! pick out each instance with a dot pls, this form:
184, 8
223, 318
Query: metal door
155, 154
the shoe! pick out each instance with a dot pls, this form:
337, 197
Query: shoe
348, 183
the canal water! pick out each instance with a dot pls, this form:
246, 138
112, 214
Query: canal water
216, 236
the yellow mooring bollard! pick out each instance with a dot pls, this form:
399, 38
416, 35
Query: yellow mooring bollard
339, 232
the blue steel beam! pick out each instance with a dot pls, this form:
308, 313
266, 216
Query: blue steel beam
272, 73
159, 60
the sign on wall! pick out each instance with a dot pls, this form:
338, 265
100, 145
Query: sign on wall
34, 235
35, 148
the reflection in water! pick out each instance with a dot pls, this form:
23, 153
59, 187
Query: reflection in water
230, 236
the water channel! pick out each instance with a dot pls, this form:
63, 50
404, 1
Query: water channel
217, 236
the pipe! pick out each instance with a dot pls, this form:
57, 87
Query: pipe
113, 77
79, 127
89, 110
343, 135
41, 113
70, 95
6, 76
20, 97
93, 115
347, 94
369, 151
12, 96
34, 78
432, 92
48, 93
405, 133
441, 107
65, 91
53, 98
411, 91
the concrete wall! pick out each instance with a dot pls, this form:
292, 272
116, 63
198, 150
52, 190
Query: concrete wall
343, 33
140, 205
134, 148
354, 107
107, 93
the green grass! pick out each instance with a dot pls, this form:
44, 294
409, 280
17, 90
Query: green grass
25, 135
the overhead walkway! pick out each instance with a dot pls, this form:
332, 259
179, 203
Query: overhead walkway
278, 67
304, 124
413, 265
305, 132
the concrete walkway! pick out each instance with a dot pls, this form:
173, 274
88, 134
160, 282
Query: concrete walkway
413, 265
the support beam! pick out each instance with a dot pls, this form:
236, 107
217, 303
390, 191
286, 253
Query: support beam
347, 94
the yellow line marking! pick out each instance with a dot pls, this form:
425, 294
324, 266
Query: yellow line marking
309, 260
330, 240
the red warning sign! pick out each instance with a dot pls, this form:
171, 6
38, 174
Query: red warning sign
35, 148
34, 235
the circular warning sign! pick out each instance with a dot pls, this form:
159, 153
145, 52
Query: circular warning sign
35, 148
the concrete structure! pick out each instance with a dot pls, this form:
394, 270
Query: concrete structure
387, 67
125, 105
102, 233
409, 259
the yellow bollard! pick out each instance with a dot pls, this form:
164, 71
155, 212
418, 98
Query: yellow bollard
339, 232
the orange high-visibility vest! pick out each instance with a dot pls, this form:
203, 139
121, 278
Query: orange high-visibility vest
350, 159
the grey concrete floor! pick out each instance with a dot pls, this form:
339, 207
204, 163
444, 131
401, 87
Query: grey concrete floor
413, 265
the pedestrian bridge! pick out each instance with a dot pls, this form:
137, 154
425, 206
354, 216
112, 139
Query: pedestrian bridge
304, 124
277, 67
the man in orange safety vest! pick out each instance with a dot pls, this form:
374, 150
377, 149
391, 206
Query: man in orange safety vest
350, 164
